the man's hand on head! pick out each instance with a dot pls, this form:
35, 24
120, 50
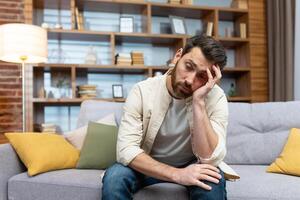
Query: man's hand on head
201, 92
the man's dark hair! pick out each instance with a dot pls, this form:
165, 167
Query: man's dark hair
212, 49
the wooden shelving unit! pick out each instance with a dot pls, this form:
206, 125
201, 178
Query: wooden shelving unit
148, 11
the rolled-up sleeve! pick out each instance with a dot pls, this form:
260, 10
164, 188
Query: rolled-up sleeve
131, 128
219, 122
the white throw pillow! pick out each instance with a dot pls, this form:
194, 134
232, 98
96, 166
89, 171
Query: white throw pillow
77, 136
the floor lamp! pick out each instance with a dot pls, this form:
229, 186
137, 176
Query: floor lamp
23, 43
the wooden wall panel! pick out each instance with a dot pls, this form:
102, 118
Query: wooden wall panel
258, 51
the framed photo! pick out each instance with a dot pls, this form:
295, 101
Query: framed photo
126, 24
117, 91
177, 24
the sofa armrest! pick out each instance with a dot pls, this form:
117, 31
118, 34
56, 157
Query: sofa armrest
10, 165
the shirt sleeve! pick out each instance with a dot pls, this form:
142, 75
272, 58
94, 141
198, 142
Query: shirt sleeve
219, 122
131, 128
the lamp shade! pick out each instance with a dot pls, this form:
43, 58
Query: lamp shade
23, 43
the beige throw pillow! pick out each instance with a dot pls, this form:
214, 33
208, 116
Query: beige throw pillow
76, 137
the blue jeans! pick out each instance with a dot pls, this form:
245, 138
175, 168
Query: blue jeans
121, 182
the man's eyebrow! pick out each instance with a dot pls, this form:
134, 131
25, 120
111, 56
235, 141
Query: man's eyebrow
194, 65
192, 62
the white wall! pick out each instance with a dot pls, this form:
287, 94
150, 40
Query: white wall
297, 53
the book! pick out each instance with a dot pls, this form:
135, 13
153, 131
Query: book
77, 18
243, 30
73, 15
209, 28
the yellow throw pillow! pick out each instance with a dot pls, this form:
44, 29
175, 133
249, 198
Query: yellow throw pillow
42, 152
289, 160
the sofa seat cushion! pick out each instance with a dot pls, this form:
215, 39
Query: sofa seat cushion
76, 184
257, 184
71, 184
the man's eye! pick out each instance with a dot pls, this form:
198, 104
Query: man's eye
189, 67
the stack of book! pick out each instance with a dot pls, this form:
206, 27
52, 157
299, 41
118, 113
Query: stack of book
123, 59
137, 58
175, 1
87, 91
46, 128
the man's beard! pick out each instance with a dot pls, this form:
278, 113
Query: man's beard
185, 91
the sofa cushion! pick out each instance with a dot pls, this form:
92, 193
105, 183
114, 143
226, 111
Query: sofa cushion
75, 184
76, 137
257, 132
71, 184
99, 147
289, 160
256, 184
43, 152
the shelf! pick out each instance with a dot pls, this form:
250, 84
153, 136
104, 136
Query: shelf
86, 35
236, 69
80, 100
148, 38
232, 42
115, 6
52, 4
160, 9
91, 66
188, 11
239, 99
231, 14
163, 67
73, 100
97, 68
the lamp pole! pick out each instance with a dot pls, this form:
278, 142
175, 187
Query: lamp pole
23, 60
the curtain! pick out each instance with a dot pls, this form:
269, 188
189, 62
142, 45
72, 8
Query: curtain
281, 23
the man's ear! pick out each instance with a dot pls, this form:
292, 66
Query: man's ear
177, 55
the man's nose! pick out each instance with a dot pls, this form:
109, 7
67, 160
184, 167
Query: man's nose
190, 78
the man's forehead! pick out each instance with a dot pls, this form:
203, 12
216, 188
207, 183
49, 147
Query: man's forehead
196, 57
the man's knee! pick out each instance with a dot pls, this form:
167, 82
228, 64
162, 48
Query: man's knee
217, 192
119, 176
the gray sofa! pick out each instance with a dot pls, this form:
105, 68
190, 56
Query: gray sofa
256, 135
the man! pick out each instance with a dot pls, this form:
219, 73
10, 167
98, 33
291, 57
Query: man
173, 128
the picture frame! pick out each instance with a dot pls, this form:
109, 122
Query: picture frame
126, 24
178, 25
117, 91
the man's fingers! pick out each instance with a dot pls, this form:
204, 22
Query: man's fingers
208, 178
211, 173
217, 72
210, 77
211, 167
202, 185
